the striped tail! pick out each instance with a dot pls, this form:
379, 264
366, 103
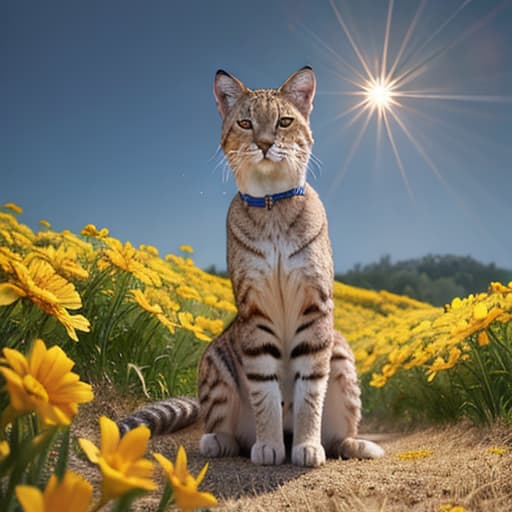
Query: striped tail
162, 417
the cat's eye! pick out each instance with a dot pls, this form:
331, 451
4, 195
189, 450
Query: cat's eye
245, 124
284, 122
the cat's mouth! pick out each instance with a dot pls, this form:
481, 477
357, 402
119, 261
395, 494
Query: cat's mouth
272, 154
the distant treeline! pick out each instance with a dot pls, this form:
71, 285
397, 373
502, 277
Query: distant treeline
434, 279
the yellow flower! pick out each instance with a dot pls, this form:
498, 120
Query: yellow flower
5, 450
186, 248
14, 207
126, 257
42, 383
456, 303
187, 292
452, 508
121, 460
6, 256
415, 454
440, 364
378, 381
72, 493
151, 249
46, 289
498, 450
155, 309
227, 306
143, 302
480, 311
91, 230
63, 260
45, 223
215, 327
184, 484
388, 370
483, 338
187, 322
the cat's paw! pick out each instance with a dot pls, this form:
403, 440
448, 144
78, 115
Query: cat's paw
308, 455
218, 445
267, 453
352, 448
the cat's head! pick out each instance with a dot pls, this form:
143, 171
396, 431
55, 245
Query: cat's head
265, 132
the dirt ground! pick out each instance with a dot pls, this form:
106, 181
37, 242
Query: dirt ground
460, 471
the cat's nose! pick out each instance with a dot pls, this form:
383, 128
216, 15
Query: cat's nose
264, 146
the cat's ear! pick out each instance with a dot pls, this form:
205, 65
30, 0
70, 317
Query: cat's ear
299, 89
227, 90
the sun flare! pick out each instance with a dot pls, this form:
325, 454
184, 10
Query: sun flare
384, 89
379, 94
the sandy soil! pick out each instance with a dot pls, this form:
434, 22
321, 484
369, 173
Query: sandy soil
460, 471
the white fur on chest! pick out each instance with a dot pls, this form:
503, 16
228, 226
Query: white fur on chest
280, 286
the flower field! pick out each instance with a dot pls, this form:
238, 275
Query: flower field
140, 321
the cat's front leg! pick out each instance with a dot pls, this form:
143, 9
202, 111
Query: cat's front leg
311, 376
262, 373
265, 398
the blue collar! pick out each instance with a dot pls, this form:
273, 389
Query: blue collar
269, 200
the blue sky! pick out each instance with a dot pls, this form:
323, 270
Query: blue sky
108, 117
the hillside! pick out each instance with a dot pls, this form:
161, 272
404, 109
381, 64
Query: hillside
436, 279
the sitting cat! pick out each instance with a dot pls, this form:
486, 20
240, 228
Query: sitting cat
280, 367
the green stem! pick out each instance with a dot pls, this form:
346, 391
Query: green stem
113, 317
497, 340
62, 461
487, 387
166, 497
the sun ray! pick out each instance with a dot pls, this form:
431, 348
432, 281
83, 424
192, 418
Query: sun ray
437, 53
355, 145
419, 148
406, 39
401, 167
437, 173
441, 27
351, 40
338, 57
353, 108
367, 107
384, 62
457, 97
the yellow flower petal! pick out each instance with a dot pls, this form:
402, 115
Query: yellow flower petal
201, 474
189, 499
72, 493
90, 450
30, 498
10, 293
166, 464
181, 464
134, 443
109, 435
16, 360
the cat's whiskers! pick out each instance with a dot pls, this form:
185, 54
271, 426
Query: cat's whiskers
223, 163
313, 162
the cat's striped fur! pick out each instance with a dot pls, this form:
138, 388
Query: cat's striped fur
280, 366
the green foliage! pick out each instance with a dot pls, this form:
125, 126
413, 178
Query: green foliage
434, 279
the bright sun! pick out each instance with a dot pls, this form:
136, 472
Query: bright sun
379, 94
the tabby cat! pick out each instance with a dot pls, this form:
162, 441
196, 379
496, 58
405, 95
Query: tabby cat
280, 367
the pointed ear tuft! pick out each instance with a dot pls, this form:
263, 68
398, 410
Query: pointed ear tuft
299, 89
227, 90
